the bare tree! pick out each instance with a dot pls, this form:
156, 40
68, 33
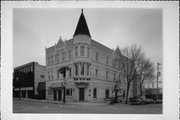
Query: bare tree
146, 71
128, 59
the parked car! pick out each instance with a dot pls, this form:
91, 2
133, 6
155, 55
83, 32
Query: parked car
158, 101
150, 101
137, 101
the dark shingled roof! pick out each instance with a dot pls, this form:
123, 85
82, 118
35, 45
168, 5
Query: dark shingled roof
82, 27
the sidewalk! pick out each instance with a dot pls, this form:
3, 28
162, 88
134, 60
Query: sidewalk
61, 102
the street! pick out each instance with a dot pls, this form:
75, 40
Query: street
25, 106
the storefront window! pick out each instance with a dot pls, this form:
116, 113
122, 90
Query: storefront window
95, 93
69, 92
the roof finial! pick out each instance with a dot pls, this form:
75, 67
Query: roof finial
82, 10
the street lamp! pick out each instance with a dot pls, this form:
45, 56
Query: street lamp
158, 74
63, 71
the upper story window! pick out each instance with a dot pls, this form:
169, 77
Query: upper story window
70, 55
82, 69
76, 69
48, 60
106, 75
114, 76
82, 50
97, 56
63, 56
31, 68
57, 73
57, 58
88, 52
107, 60
52, 75
49, 76
51, 59
87, 70
96, 72
76, 51
70, 72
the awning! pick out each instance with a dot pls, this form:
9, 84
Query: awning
41, 86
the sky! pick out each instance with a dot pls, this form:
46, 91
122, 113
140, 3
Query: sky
35, 29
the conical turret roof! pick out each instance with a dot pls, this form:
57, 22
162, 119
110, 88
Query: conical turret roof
82, 28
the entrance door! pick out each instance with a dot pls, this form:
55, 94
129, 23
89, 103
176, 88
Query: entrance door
59, 95
107, 93
81, 94
55, 95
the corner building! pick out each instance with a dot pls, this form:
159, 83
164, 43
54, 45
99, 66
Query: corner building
92, 74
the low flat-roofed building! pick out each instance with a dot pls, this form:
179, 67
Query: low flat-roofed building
29, 81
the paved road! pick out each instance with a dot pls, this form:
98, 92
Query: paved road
87, 108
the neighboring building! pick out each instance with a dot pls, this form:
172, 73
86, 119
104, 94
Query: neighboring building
153, 93
29, 80
92, 73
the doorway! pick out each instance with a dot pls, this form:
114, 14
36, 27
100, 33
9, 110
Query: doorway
59, 95
55, 94
81, 94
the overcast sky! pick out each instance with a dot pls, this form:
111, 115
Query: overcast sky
35, 29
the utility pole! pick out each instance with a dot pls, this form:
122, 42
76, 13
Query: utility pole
158, 74
63, 71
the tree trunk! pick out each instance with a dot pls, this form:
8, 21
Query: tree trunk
116, 95
141, 90
127, 93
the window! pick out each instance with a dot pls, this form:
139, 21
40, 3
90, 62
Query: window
88, 52
57, 58
63, 56
82, 69
57, 73
42, 76
70, 55
107, 93
107, 60
69, 92
31, 68
70, 72
97, 55
76, 51
49, 75
114, 76
88, 70
52, 75
96, 72
106, 75
94, 92
82, 50
76, 67
51, 59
